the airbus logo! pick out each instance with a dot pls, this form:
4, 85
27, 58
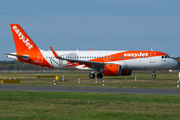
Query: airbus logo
136, 54
22, 37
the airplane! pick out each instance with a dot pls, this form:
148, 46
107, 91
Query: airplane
106, 63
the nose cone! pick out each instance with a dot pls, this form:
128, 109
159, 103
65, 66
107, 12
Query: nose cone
173, 62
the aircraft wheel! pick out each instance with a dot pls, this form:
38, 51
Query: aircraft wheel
99, 75
92, 76
154, 76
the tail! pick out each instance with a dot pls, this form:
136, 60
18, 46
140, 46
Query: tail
23, 42
26, 49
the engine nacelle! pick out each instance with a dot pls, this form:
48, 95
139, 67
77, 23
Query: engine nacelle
112, 70
126, 72
115, 70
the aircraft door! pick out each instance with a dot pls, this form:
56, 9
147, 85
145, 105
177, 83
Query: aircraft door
107, 58
40, 58
152, 57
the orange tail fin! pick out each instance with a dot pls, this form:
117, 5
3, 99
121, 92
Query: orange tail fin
23, 42
27, 51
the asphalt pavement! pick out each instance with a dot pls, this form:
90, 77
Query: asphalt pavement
109, 90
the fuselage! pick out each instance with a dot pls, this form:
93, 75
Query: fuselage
129, 60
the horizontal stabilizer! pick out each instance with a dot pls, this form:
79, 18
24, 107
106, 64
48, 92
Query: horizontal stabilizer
10, 55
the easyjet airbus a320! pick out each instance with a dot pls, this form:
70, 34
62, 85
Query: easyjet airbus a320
107, 63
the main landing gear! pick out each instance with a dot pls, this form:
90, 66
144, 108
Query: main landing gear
92, 75
99, 75
153, 74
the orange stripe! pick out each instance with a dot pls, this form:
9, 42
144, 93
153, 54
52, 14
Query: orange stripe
128, 55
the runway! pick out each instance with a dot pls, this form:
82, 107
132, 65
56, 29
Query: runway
141, 91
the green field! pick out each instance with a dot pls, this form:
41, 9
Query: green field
86, 106
144, 80
22, 105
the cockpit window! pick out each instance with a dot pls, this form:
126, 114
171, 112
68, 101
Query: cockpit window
165, 56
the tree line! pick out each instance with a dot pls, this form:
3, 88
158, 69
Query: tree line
17, 65
177, 67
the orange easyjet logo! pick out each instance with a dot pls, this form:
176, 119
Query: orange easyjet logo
22, 37
140, 54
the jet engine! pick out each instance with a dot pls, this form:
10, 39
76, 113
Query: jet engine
115, 70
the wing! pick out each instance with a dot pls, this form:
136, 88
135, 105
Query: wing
91, 64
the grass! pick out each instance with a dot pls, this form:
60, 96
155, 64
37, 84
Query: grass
144, 80
86, 106
90, 106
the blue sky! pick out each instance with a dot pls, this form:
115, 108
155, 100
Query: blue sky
95, 24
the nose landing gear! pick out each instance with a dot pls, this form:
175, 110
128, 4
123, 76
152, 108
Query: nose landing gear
153, 74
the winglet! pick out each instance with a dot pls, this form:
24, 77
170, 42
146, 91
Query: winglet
55, 54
